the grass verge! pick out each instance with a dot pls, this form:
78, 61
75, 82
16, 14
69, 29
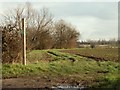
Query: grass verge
83, 70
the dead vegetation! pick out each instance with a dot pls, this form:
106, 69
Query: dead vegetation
41, 30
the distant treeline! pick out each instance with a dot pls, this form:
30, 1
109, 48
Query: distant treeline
104, 43
100, 42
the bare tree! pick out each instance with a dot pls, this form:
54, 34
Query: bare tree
11, 38
42, 32
41, 35
38, 31
65, 35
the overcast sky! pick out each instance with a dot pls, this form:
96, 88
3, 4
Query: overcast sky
94, 20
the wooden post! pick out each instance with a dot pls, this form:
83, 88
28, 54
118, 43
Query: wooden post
24, 41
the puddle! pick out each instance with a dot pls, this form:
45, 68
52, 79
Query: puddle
69, 87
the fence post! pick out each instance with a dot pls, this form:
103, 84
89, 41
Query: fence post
24, 40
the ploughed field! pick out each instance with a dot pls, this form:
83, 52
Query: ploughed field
80, 67
99, 54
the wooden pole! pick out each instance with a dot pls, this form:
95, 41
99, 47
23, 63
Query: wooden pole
24, 41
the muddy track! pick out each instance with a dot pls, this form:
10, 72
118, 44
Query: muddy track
86, 56
62, 56
40, 82
52, 53
92, 57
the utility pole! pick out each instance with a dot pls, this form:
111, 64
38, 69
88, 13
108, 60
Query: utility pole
24, 41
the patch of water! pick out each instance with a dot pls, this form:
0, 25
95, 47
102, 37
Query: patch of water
69, 87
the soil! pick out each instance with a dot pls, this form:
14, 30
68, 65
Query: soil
84, 55
39, 82
49, 82
27, 82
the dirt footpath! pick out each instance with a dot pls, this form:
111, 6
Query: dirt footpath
37, 82
28, 82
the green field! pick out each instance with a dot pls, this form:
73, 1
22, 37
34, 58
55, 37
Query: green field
75, 66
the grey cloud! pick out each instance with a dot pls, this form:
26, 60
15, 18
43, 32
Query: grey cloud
106, 10
103, 10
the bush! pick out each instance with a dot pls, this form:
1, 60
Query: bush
92, 45
11, 48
